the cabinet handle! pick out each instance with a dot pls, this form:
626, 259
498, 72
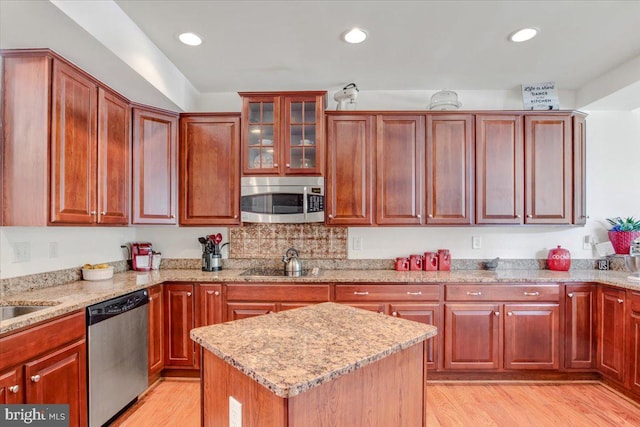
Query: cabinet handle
414, 293
35, 378
395, 313
531, 294
474, 294
509, 313
620, 301
216, 293
14, 389
496, 313
360, 293
93, 212
570, 294
188, 294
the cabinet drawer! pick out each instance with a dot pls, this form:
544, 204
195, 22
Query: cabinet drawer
277, 292
502, 292
387, 292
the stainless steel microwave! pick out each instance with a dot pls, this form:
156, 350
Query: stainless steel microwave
289, 200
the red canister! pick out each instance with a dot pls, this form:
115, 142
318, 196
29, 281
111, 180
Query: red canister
559, 259
444, 260
430, 261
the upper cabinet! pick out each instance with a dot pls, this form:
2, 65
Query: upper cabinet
283, 133
210, 169
155, 158
579, 169
66, 144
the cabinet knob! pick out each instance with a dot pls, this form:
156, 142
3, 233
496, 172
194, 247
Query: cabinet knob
330, 216
381, 312
188, 294
419, 216
275, 165
172, 216
103, 213
620, 301
496, 313
35, 378
395, 313
288, 165
270, 312
235, 217
529, 216
14, 389
216, 293
509, 313
92, 212
150, 298
518, 216
570, 294
430, 215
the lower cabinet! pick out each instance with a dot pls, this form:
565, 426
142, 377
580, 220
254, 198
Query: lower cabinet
611, 332
580, 327
156, 332
419, 303
484, 334
634, 342
46, 364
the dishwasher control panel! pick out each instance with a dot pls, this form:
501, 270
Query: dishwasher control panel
102, 311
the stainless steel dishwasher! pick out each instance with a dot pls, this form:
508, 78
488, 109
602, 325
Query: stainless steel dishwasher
117, 359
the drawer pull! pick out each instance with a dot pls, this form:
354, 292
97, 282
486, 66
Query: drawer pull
531, 294
620, 301
414, 293
14, 389
395, 313
35, 378
570, 294
360, 293
474, 294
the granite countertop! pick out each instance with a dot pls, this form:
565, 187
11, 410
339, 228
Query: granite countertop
78, 295
295, 350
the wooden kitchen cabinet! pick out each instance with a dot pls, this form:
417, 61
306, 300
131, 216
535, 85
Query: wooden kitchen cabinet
154, 156
46, 364
449, 182
399, 169
580, 337
350, 170
283, 133
209, 169
633, 359
579, 169
416, 302
179, 319
66, 156
499, 151
611, 332
156, 332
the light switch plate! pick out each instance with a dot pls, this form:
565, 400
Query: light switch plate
476, 242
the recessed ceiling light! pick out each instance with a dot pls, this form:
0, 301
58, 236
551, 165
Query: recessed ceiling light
354, 35
523, 35
191, 39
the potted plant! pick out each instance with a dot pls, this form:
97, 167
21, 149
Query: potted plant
622, 233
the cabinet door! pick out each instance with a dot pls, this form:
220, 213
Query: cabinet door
532, 336
548, 170
499, 169
373, 306
400, 169
428, 313
210, 170
261, 138
449, 169
350, 170
611, 332
73, 146
303, 134
209, 305
580, 342
178, 321
472, 336
243, 310
634, 342
156, 331
154, 167
579, 170
114, 158
60, 378
11, 389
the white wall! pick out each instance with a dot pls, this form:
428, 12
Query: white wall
613, 189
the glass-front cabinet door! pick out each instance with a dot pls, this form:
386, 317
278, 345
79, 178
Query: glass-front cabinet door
283, 133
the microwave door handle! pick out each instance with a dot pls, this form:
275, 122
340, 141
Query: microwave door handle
305, 208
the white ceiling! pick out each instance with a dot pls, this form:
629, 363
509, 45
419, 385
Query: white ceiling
590, 47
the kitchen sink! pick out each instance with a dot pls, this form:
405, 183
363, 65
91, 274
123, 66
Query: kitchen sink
11, 311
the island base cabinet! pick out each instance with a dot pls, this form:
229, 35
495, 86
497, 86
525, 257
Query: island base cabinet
349, 400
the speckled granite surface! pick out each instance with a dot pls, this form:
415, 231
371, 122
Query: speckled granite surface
77, 295
295, 350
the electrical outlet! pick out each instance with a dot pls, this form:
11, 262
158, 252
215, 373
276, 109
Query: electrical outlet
22, 252
53, 249
356, 243
235, 413
476, 242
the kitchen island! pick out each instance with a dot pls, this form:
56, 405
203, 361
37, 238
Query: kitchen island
326, 364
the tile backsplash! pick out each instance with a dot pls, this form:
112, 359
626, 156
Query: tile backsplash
272, 241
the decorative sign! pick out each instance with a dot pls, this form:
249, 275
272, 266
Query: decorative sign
540, 96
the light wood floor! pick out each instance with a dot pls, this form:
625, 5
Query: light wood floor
177, 403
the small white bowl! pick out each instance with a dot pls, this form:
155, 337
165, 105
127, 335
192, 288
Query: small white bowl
97, 274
